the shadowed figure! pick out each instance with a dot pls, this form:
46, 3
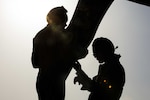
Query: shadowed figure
108, 83
53, 53
56, 48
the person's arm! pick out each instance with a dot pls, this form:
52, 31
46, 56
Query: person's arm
91, 85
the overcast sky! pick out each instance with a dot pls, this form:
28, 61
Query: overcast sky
126, 23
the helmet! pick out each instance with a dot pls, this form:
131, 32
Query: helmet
57, 15
103, 45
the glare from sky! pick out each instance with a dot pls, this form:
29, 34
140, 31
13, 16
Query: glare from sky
126, 24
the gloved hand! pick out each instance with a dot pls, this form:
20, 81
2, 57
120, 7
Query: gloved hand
81, 77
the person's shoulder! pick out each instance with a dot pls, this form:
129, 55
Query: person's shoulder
43, 32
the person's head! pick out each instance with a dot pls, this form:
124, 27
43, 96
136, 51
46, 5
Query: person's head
57, 16
103, 49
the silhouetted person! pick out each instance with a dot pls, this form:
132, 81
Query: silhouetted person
53, 54
108, 83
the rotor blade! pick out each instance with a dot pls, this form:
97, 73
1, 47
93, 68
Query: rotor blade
143, 2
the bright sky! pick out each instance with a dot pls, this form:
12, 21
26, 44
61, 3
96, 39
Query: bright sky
125, 23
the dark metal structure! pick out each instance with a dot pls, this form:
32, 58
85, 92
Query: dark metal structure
86, 19
143, 2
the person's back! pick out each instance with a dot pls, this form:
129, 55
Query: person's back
50, 42
50, 46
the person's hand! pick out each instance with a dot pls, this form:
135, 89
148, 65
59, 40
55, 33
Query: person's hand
86, 82
81, 77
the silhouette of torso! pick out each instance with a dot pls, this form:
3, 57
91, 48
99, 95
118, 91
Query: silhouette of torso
51, 52
109, 82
